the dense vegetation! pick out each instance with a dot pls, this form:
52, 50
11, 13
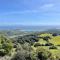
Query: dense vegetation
34, 46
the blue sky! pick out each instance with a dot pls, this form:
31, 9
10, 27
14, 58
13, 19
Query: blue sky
29, 12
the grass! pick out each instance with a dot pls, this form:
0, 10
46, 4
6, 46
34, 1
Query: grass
55, 52
45, 34
54, 40
41, 41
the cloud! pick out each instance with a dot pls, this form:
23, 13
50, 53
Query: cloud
47, 6
43, 8
20, 12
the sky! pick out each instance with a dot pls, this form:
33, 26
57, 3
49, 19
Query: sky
30, 12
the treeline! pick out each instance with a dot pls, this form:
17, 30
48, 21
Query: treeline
27, 38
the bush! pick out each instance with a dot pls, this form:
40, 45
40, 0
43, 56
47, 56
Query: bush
48, 44
54, 57
43, 54
54, 34
22, 55
27, 38
58, 45
26, 46
5, 45
46, 38
53, 47
15, 46
37, 44
23, 52
2, 52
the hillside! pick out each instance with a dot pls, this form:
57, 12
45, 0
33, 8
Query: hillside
31, 46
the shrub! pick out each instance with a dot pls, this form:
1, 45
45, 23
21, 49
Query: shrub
27, 38
54, 34
58, 45
46, 38
22, 55
26, 46
48, 44
43, 54
2, 52
53, 47
7, 47
37, 44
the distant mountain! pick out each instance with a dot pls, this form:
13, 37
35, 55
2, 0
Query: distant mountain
29, 28
52, 31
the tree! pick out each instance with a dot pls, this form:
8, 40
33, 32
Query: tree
54, 34
43, 54
48, 44
37, 44
46, 38
53, 47
5, 45
22, 55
